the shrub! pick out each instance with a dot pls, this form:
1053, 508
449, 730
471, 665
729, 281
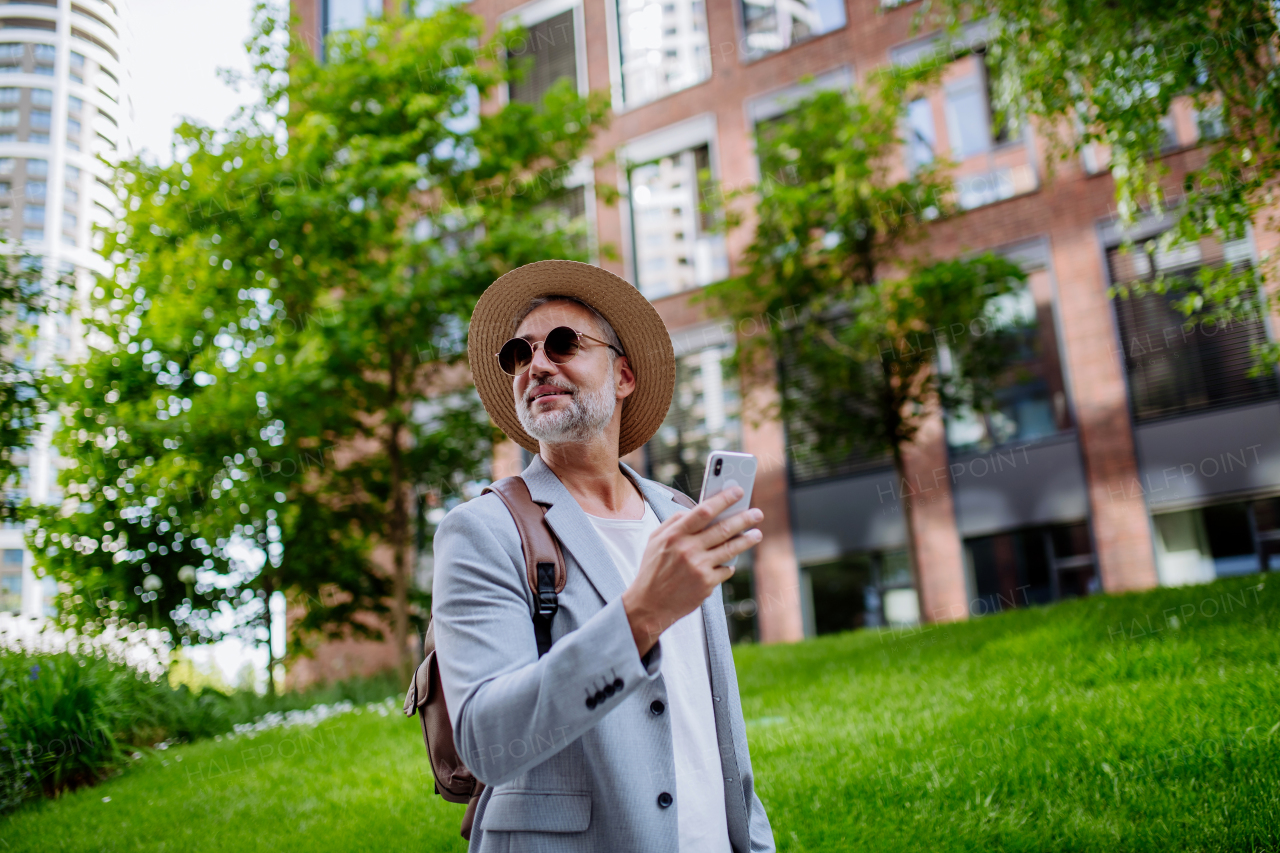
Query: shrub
69, 719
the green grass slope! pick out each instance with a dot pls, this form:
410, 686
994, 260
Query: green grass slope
1144, 722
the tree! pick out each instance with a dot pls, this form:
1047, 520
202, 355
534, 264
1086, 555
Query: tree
25, 297
833, 223
1108, 73
277, 370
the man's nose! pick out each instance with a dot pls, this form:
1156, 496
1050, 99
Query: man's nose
541, 364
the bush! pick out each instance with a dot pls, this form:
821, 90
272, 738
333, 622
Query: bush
69, 719
66, 720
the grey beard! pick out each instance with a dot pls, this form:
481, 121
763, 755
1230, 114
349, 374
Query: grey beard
585, 418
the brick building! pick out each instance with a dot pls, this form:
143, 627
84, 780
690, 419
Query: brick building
1132, 452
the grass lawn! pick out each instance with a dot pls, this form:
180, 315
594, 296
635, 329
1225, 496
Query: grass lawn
1145, 722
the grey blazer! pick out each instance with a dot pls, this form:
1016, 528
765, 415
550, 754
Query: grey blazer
562, 776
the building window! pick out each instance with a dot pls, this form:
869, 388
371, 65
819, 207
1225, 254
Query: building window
33, 235
37, 190
77, 59
69, 221
1031, 400
42, 97
968, 116
704, 416
37, 167
10, 95
38, 138
922, 139
41, 119
858, 591
1222, 540
773, 25
9, 118
988, 168
663, 48
547, 54
45, 54
73, 127
70, 197
349, 14
675, 248
12, 52
33, 215
75, 104
6, 165
1174, 366
11, 581
1033, 566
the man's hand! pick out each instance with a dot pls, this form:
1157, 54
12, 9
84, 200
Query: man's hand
683, 562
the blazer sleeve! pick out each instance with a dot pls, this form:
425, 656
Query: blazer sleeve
510, 710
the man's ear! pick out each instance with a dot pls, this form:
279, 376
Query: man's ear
624, 377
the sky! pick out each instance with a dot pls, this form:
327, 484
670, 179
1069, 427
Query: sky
178, 46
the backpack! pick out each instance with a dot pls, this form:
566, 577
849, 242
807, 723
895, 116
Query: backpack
545, 572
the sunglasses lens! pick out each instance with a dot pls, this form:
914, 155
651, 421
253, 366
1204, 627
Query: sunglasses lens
515, 356
561, 344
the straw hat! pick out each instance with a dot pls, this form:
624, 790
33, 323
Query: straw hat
643, 334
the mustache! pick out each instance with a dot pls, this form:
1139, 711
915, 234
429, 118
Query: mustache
572, 389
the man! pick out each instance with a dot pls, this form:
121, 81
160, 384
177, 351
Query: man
627, 735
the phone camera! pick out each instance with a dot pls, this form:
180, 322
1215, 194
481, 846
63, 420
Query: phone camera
719, 465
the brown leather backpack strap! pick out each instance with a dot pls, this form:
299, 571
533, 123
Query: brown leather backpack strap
544, 563
679, 496
539, 545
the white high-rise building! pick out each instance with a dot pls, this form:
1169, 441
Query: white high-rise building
63, 104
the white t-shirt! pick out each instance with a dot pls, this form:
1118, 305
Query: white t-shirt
699, 794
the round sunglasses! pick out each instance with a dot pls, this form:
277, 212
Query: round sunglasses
560, 345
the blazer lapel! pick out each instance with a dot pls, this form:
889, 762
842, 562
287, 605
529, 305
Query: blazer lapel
574, 530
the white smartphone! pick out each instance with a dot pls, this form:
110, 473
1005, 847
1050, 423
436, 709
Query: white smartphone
724, 469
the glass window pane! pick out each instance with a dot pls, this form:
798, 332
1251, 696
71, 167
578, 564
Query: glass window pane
922, 139
777, 24
349, 14
9, 118
42, 97
704, 416
967, 119
673, 250
11, 592
37, 167
548, 53
663, 47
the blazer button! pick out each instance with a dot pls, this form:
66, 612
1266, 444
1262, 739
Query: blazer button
599, 697
664, 800
656, 707
591, 702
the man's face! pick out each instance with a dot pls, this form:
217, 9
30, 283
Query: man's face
574, 401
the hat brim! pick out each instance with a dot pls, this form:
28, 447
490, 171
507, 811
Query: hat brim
644, 337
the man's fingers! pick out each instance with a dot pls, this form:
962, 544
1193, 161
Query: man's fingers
730, 527
700, 516
724, 553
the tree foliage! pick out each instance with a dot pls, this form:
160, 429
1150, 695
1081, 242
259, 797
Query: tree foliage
1106, 73
276, 378
835, 218
25, 297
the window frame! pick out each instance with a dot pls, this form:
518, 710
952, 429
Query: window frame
613, 30
684, 135
746, 57
778, 102
1109, 237
537, 11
